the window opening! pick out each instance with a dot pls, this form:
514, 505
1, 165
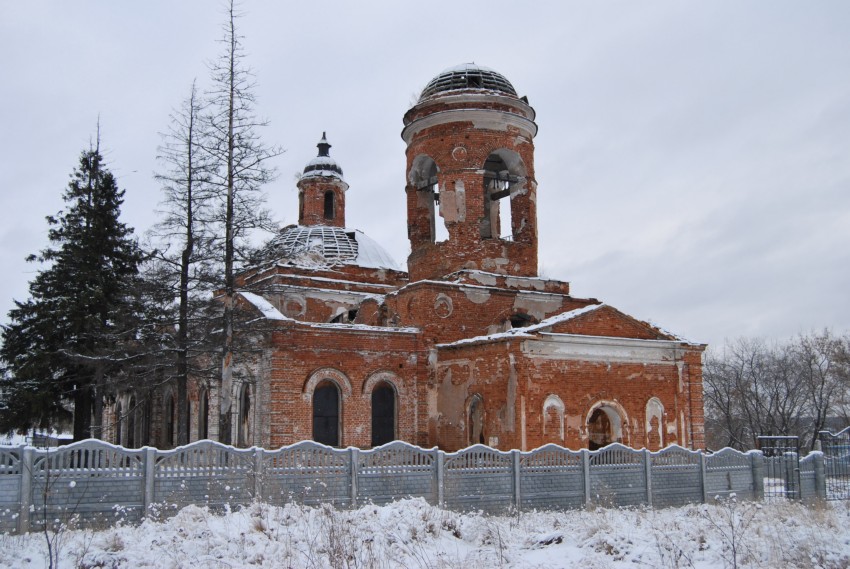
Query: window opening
430, 185
383, 415
203, 409
521, 320
170, 408
131, 424
329, 205
475, 420
118, 424
326, 414
244, 437
498, 183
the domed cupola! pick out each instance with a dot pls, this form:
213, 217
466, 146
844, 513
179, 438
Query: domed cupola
471, 192
321, 190
468, 77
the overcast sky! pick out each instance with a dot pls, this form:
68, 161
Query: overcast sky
693, 159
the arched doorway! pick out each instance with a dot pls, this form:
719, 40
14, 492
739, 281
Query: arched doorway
383, 414
326, 414
604, 426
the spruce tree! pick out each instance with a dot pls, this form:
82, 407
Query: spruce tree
67, 346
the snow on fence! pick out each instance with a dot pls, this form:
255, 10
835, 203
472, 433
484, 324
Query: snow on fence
98, 483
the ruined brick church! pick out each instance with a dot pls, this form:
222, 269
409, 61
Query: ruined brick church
469, 345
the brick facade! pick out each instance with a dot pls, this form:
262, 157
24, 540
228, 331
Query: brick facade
473, 344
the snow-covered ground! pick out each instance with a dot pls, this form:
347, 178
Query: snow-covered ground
413, 534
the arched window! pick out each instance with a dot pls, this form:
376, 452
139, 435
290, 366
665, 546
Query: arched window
654, 424
131, 423
170, 420
330, 209
553, 419
475, 420
203, 414
383, 414
245, 423
326, 412
119, 423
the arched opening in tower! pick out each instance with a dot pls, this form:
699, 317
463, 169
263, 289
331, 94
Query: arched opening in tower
423, 176
501, 182
329, 205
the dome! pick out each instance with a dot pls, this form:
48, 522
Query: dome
319, 245
323, 164
468, 76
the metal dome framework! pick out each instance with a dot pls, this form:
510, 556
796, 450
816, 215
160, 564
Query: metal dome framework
468, 76
334, 243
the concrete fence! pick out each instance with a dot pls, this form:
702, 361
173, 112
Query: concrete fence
98, 483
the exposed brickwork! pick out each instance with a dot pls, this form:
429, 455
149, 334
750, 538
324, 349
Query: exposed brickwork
311, 201
475, 346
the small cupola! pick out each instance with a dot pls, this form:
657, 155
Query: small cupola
321, 190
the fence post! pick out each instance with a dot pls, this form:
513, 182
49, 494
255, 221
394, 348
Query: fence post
702, 477
515, 455
647, 474
585, 470
150, 463
820, 476
354, 458
757, 461
27, 456
258, 474
441, 463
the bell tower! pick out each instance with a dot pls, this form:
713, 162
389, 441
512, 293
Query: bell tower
321, 190
471, 191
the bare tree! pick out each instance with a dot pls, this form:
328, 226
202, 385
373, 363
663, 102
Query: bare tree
186, 255
753, 388
242, 168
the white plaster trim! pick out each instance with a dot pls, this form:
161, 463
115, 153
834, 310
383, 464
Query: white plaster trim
383, 376
602, 349
330, 374
490, 119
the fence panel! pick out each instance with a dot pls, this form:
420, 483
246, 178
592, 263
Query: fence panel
307, 473
10, 488
92, 481
395, 471
617, 476
205, 473
729, 472
551, 478
676, 477
479, 478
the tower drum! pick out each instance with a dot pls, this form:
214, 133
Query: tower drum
471, 191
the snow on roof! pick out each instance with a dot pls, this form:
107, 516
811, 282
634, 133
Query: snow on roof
371, 254
321, 247
264, 306
524, 332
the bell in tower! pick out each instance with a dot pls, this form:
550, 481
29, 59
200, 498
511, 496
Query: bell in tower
471, 192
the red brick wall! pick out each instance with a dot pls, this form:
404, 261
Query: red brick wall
301, 350
311, 196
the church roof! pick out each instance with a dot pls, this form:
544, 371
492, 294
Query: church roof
468, 76
319, 245
323, 164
